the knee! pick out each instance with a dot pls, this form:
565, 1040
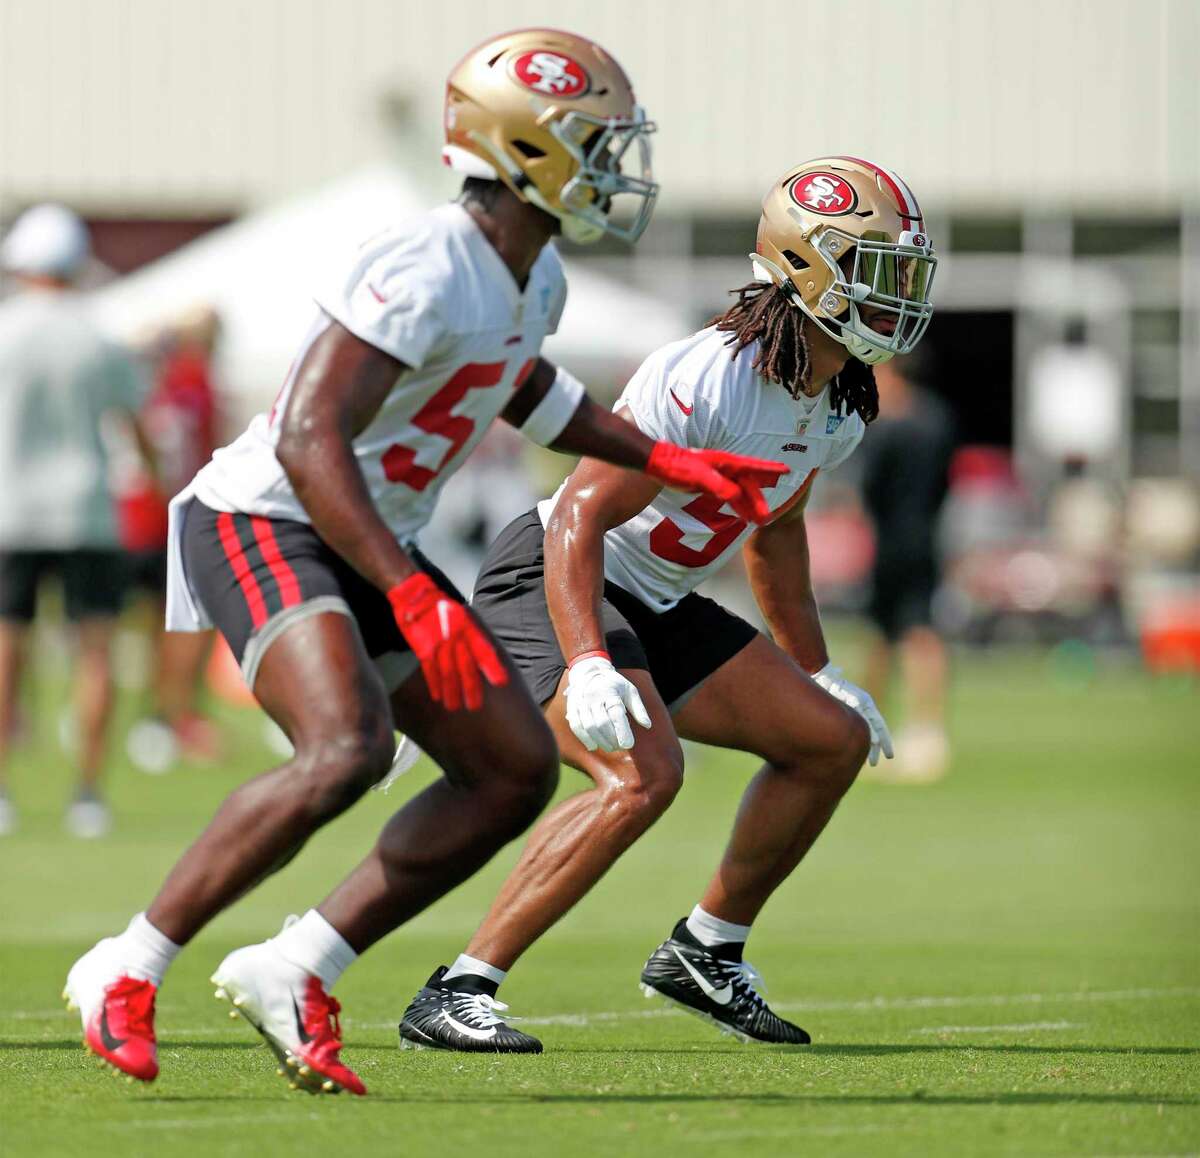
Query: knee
835, 757
855, 746
335, 770
633, 802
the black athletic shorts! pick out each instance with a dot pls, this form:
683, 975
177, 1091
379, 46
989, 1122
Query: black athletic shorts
147, 570
257, 576
680, 648
93, 581
902, 595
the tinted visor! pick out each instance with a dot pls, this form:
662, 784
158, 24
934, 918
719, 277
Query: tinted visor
893, 274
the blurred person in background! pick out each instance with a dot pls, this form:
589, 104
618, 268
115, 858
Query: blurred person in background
906, 464
60, 381
179, 419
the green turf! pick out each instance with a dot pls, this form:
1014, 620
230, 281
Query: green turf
1005, 963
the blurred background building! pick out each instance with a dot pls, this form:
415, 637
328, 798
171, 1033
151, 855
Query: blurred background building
218, 151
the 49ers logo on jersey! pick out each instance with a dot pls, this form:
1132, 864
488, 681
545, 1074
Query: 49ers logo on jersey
824, 193
551, 73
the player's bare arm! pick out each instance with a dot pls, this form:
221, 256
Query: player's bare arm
777, 566
591, 430
598, 496
339, 388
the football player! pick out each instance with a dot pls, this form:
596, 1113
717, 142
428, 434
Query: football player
298, 542
594, 595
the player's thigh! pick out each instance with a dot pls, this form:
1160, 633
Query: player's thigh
318, 683
654, 763
273, 590
762, 701
507, 735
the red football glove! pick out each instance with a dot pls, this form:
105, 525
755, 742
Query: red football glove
448, 642
732, 478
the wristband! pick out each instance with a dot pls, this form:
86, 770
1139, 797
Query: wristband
557, 407
589, 655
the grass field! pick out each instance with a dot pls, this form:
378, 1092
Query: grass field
1006, 963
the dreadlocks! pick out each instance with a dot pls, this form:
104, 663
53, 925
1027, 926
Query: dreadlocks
765, 314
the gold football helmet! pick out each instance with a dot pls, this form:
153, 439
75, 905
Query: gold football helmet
553, 116
840, 233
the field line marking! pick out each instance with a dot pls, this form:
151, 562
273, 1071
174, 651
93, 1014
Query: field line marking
1017, 1027
865, 1005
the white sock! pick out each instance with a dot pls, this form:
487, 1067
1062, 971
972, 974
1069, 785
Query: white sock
314, 945
146, 951
712, 931
464, 964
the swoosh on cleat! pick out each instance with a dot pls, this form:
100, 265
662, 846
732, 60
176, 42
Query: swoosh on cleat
469, 1030
721, 996
305, 1036
110, 1042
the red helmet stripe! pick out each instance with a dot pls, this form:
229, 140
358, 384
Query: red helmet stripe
905, 201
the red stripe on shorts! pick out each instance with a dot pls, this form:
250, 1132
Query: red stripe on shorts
289, 585
236, 555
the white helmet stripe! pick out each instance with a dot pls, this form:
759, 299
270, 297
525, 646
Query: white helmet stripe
903, 194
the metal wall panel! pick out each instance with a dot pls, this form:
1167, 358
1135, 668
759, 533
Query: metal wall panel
141, 104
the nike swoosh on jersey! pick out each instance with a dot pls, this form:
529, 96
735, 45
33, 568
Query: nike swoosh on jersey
106, 1034
305, 1036
376, 294
722, 996
469, 1030
685, 409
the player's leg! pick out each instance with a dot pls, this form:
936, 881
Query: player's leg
760, 702
318, 684
88, 815
569, 850
19, 573
304, 657
94, 587
578, 841
500, 767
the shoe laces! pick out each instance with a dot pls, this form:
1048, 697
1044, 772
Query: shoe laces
744, 974
322, 1018
135, 998
480, 1009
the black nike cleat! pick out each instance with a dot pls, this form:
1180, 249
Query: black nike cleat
442, 1017
717, 985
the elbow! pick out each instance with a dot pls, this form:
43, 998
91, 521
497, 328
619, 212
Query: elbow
287, 453
294, 452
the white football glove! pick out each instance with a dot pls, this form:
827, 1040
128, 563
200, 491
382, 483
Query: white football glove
830, 678
599, 701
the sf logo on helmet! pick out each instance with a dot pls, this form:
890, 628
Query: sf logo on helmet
551, 74
824, 193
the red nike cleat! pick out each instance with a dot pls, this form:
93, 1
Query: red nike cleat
117, 1012
295, 1016
324, 1029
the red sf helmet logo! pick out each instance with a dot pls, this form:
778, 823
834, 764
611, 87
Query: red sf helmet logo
824, 193
551, 73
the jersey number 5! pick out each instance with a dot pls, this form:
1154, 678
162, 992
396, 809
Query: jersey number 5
435, 417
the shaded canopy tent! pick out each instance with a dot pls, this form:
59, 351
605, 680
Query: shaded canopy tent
257, 273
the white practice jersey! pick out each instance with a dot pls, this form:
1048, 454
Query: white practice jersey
435, 294
694, 393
